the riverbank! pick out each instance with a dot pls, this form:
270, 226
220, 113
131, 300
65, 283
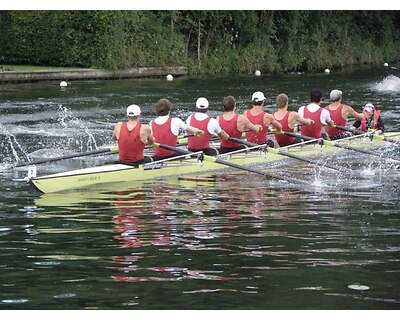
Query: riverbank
14, 76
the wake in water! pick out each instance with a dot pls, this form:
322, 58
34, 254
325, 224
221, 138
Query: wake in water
389, 84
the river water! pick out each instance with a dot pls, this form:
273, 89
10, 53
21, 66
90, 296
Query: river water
217, 241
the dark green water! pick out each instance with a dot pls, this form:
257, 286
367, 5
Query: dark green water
220, 241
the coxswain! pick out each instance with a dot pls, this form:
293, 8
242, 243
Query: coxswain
372, 122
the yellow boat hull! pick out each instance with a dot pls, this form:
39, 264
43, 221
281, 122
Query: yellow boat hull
105, 174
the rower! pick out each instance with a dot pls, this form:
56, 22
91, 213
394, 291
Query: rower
209, 125
132, 136
339, 113
287, 119
319, 115
257, 115
234, 124
372, 122
165, 129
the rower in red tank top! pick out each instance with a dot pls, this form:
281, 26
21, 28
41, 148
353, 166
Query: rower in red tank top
166, 129
256, 115
233, 124
339, 113
130, 146
132, 137
208, 125
287, 119
314, 112
162, 132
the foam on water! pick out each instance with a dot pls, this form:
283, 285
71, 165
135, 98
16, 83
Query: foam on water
389, 84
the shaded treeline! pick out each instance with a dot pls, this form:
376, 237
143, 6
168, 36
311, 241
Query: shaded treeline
208, 42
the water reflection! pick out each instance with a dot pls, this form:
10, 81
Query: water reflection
196, 242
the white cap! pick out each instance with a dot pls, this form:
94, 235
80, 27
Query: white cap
335, 95
202, 103
369, 107
257, 96
133, 110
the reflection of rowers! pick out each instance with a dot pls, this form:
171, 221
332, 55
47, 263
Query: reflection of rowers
132, 136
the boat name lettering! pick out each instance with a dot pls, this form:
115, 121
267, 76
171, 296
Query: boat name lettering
92, 178
153, 166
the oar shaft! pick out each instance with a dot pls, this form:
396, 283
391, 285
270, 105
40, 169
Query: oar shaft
287, 154
74, 155
253, 170
335, 144
296, 135
229, 164
377, 136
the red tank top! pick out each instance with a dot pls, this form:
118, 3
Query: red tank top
131, 147
203, 141
282, 139
162, 134
336, 116
230, 127
313, 130
364, 125
257, 137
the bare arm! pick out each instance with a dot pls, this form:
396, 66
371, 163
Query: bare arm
115, 134
269, 119
351, 112
146, 136
243, 123
302, 120
223, 135
193, 130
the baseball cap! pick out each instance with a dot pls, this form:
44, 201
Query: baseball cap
133, 110
335, 94
257, 96
202, 103
369, 107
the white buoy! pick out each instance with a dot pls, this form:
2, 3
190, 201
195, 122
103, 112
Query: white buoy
358, 287
170, 77
63, 84
257, 73
327, 71
386, 64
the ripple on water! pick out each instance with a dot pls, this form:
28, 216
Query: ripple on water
14, 301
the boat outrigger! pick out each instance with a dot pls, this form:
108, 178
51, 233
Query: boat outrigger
196, 163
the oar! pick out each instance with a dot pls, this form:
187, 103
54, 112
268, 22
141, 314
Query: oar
113, 149
233, 165
377, 136
286, 154
74, 155
335, 144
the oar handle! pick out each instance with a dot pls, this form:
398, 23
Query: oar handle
174, 149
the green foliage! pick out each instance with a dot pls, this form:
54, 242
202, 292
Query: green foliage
208, 42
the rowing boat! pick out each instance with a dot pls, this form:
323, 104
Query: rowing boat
94, 177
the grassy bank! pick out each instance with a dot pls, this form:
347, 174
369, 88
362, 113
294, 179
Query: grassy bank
207, 42
29, 68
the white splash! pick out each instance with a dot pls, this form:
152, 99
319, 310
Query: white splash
368, 172
390, 83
